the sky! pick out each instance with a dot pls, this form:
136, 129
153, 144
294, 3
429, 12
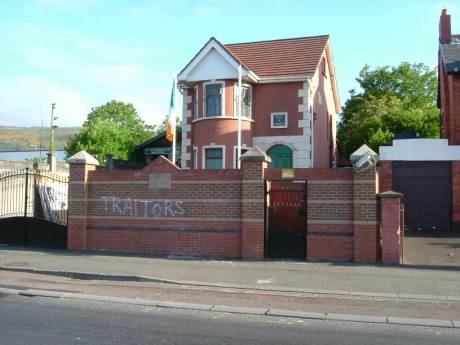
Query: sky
81, 54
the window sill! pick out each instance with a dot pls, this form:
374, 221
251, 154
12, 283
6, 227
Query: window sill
222, 118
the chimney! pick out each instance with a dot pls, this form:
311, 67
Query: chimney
445, 35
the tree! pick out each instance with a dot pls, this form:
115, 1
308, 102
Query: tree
113, 128
392, 100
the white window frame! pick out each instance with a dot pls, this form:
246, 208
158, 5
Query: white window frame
203, 154
222, 98
195, 102
195, 157
272, 115
235, 100
235, 154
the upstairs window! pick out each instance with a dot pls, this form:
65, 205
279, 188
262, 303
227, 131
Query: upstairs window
247, 101
213, 99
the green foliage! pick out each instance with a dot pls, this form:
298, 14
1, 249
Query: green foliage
113, 128
392, 100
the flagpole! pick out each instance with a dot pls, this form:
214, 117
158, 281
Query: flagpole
174, 120
240, 108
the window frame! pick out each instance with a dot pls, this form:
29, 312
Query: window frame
235, 103
222, 98
195, 102
195, 157
235, 154
203, 163
272, 116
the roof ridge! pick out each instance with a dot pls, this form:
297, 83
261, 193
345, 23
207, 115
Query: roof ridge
277, 40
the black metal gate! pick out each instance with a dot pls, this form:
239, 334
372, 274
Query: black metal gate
286, 228
33, 208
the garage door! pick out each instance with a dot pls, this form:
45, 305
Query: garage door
427, 189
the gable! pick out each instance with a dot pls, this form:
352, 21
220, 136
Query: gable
213, 66
213, 61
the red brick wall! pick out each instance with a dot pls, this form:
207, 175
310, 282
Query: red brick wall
199, 215
217, 213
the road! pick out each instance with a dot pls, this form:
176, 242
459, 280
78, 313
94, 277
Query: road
55, 321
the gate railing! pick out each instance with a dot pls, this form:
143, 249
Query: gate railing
34, 193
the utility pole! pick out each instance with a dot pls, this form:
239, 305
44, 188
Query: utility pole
40, 143
53, 127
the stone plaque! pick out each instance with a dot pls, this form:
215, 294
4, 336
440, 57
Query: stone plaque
160, 181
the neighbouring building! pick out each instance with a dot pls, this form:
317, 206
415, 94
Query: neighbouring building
157, 146
290, 103
449, 80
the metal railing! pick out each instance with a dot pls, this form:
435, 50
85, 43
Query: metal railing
34, 193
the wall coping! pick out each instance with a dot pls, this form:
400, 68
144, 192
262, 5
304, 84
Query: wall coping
82, 157
390, 194
255, 154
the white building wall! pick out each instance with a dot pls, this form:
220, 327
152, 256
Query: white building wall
420, 150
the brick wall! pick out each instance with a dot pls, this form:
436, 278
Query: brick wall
166, 211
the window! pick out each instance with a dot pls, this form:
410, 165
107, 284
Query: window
214, 158
195, 103
246, 95
195, 157
279, 120
213, 99
235, 155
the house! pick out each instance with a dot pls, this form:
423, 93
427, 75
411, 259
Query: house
449, 80
290, 103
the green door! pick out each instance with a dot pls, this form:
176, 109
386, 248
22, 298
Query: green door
281, 157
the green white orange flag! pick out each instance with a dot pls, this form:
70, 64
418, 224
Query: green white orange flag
171, 130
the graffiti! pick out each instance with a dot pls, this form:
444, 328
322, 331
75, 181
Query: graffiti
143, 207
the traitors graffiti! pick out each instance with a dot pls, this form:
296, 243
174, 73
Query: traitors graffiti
143, 207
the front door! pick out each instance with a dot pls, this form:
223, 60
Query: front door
281, 157
286, 221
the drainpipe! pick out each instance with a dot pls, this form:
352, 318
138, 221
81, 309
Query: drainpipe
310, 112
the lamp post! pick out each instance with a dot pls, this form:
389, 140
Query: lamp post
53, 127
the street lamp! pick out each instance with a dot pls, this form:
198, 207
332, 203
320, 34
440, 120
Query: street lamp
53, 127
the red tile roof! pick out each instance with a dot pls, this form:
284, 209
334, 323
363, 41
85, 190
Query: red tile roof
279, 58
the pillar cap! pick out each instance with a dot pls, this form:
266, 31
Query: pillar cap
390, 194
255, 154
82, 157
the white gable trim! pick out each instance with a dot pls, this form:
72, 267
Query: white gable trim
213, 44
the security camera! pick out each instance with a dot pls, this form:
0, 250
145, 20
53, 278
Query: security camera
364, 163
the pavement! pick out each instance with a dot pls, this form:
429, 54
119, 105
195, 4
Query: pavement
439, 248
319, 278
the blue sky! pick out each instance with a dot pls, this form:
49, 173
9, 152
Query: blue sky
83, 53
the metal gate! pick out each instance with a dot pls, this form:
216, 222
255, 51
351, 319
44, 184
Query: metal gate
33, 208
286, 227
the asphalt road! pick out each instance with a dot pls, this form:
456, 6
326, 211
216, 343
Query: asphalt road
51, 321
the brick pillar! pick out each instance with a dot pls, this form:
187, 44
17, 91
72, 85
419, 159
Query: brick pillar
253, 164
390, 218
365, 224
80, 166
456, 195
386, 176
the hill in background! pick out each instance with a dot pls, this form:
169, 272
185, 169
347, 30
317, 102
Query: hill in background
25, 138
